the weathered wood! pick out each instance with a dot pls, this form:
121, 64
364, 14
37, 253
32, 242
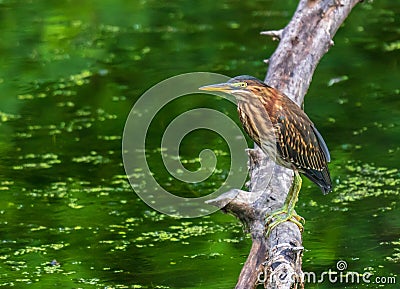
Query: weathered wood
276, 260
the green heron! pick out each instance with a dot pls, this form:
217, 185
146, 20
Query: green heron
284, 132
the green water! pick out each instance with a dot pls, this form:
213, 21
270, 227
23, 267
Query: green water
69, 74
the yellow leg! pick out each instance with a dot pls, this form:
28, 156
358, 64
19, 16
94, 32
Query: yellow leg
287, 213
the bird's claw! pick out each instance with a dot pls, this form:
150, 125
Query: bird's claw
281, 216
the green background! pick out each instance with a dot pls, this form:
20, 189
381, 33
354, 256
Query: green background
70, 71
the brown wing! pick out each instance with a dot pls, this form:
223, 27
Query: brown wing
301, 145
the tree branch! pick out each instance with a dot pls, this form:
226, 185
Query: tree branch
276, 260
275, 34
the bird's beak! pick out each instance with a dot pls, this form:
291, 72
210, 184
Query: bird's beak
223, 87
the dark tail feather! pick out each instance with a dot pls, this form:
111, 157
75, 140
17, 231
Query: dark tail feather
321, 178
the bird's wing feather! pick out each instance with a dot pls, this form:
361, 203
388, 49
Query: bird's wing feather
299, 143
302, 146
322, 144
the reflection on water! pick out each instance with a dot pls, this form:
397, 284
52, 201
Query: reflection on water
69, 76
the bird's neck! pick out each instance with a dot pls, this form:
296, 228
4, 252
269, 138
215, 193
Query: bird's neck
266, 100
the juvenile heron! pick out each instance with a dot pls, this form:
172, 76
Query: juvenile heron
284, 132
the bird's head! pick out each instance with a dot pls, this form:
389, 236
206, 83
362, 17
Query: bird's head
242, 87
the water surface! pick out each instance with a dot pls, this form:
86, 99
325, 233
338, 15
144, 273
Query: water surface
68, 78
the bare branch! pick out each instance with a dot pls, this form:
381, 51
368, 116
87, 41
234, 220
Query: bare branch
275, 34
276, 260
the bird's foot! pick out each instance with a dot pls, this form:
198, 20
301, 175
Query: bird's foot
281, 216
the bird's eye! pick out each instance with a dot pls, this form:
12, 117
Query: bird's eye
240, 84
